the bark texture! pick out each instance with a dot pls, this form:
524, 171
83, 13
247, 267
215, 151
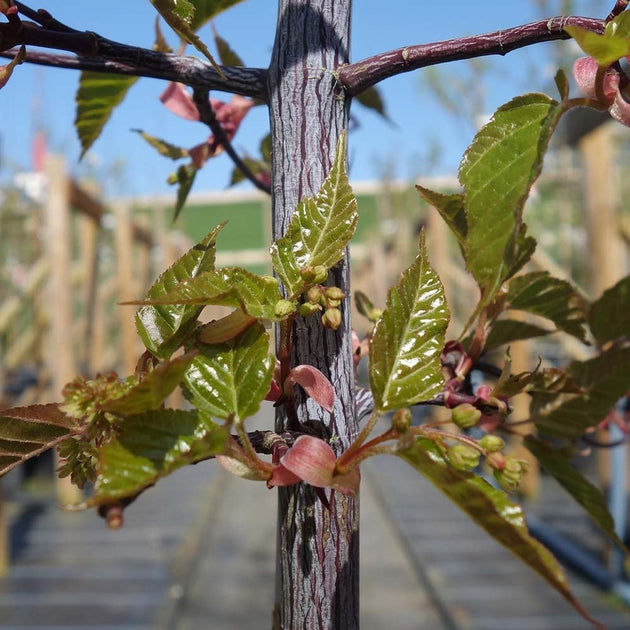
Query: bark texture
318, 569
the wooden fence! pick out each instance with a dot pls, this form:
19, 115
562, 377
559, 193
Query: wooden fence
59, 315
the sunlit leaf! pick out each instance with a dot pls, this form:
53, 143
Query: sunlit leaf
497, 172
405, 347
152, 445
492, 510
28, 431
231, 379
320, 229
606, 47
609, 317
558, 465
153, 389
552, 298
180, 16
162, 147
451, 209
96, 99
206, 9
163, 327
225, 328
7, 70
604, 380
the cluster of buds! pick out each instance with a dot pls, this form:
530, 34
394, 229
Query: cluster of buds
327, 299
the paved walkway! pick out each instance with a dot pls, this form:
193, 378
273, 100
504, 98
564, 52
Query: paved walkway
196, 552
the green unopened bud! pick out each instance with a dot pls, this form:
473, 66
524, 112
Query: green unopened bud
307, 309
332, 318
314, 275
284, 308
492, 443
332, 303
269, 280
334, 293
512, 473
401, 420
375, 314
465, 416
314, 294
463, 457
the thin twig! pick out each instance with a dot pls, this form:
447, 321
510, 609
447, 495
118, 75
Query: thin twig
207, 116
363, 74
620, 7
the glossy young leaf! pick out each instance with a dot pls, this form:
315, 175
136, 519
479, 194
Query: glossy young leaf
604, 380
179, 15
558, 465
605, 47
96, 99
230, 380
552, 298
405, 347
497, 172
451, 209
492, 510
154, 388
256, 295
152, 445
28, 431
609, 317
163, 327
162, 147
320, 229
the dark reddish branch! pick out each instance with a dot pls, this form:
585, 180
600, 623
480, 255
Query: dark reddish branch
207, 116
361, 75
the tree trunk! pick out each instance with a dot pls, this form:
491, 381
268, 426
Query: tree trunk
317, 559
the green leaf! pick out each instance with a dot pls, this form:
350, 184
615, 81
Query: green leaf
28, 431
154, 388
7, 70
226, 55
231, 286
372, 98
162, 328
604, 380
184, 177
320, 229
609, 317
451, 209
492, 510
205, 10
552, 298
152, 445
408, 339
497, 172
179, 15
562, 83
558, 465
605, 48
229, 380
162, 147
506, 331
96, 99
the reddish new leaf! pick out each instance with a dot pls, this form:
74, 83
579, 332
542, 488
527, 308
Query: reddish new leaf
315, 384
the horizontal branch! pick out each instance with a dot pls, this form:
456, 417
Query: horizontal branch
358, 76
188, 70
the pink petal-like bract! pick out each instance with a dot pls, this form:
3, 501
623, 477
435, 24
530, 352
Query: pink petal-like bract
584, 71
240, 469
315, 384
312, 460
274, 391
179, 101
620, 109
348, 484
281, 476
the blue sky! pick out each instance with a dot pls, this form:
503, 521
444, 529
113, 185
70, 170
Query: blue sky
403, 148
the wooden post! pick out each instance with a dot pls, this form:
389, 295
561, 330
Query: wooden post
605, 244
126, 287
60, 348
